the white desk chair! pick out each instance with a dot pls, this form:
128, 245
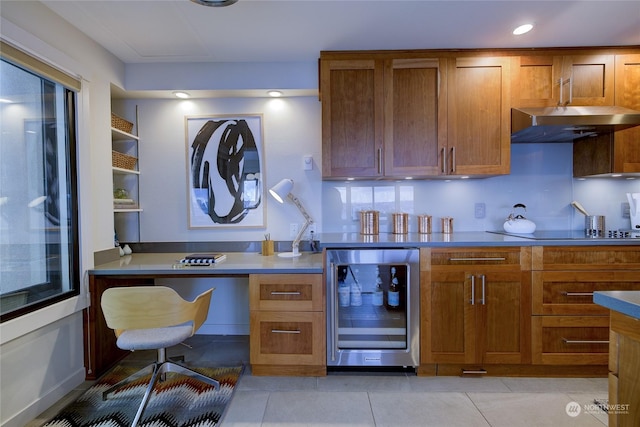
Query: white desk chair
154, 318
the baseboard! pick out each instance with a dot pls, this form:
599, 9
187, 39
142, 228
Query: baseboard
46, 400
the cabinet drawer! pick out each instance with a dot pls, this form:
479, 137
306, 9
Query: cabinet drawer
294, 292
570, 340
443, 258
572, 292
586, 257
287, 338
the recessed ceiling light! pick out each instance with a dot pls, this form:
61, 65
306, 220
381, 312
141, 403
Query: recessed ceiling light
181, 95
274, 93
523, 29
215, 3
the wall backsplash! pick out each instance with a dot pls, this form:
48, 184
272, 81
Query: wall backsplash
541, 178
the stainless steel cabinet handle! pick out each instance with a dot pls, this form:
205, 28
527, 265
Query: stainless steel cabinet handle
483, 290
453, 159
478, 259
577, 294
380, 161
285, 293
444, 161
283, 331
566, 341
332, 337
473, 290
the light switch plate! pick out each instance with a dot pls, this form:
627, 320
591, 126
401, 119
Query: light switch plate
307, 162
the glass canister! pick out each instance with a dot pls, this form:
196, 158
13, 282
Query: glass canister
369, 222
424, 224
400, 223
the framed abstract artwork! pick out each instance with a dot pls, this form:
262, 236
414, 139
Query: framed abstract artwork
225, 171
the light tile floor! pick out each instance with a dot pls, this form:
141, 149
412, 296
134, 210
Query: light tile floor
392, 399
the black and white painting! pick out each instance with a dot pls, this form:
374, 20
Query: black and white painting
225, 161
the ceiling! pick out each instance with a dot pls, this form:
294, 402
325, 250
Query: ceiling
144, 31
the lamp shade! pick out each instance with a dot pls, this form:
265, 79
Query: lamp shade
281, 190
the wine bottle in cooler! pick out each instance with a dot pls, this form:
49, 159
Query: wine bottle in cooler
393, 295
378, 293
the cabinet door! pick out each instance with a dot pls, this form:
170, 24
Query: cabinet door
504, 317
415, 116
448, 320
535, 81
352, 121
591, 79
479, 119
627, 142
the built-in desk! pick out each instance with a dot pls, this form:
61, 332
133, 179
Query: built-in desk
139, 269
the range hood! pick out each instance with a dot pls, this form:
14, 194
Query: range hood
566, 124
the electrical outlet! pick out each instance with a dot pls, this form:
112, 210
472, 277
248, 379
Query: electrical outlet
293, 230
480, 210
624, 207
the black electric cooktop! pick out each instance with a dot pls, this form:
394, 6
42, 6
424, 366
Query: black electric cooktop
572, 235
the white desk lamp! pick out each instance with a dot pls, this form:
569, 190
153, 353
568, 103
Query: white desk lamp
279, 192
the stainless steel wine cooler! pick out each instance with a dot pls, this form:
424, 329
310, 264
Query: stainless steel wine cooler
373, 307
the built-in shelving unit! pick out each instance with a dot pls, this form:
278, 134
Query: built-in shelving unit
126, 219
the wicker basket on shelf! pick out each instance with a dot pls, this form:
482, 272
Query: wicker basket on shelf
121, 124
119, 160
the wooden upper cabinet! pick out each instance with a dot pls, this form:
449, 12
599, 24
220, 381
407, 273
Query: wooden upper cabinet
479, 116
415, 116
552, 80
626, 151
351, 93
382, 117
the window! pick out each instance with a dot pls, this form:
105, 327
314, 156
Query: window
38, 201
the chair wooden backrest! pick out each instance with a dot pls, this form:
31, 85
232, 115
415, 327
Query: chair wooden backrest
148, 307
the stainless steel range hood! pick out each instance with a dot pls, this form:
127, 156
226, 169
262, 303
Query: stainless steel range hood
566, 124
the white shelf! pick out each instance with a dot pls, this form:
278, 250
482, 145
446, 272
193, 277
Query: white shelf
123, 171
118, 135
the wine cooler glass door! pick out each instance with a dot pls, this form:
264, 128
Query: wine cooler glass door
371, 319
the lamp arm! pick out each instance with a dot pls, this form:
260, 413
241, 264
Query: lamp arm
308, 221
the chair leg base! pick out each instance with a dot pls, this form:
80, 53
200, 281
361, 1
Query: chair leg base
158, 371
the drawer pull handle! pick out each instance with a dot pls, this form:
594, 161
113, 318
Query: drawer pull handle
474, 371
282, 331
479, 259
285, 293
577, 294
566, 341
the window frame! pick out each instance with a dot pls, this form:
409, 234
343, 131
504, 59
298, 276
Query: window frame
70, 88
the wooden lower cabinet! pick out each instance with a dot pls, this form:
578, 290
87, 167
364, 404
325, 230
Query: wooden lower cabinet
568, 329
624, 371
287, 324
476, 309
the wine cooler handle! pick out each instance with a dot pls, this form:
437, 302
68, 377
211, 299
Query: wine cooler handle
473, 290
333, 339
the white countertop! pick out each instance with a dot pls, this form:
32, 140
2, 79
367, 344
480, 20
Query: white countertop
236, 263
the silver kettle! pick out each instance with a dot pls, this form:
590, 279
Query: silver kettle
517, 223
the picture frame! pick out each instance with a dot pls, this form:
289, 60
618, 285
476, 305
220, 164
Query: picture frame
225, 171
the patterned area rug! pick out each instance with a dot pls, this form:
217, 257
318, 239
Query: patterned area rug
179, 401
